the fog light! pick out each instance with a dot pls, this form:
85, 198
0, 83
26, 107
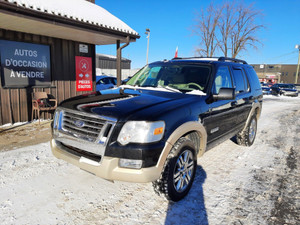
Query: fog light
131, 163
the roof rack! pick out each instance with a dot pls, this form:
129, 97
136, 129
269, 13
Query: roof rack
221, 59
197, 57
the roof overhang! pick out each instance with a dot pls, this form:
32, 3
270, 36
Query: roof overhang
34, 22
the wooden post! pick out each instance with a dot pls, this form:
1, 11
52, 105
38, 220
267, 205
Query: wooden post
119, 59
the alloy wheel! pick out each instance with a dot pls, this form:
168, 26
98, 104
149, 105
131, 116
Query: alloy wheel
252, 130
183, 171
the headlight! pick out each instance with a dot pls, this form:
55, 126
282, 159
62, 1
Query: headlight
141, 132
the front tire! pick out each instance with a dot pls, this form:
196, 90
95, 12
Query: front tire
179, 171
247, 137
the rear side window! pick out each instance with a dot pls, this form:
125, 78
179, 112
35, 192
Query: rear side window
241, 82
253, 78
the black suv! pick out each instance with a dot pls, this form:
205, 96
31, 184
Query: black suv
153, 128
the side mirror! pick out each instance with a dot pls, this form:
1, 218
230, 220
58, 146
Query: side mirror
225, 94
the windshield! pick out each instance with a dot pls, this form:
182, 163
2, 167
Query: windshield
182, 77
288, 86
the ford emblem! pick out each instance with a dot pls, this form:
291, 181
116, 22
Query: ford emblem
79, 123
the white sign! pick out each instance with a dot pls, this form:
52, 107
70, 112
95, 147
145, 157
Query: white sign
83, 48
24, 64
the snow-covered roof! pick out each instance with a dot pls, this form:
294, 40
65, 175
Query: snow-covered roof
113, 57
78, 10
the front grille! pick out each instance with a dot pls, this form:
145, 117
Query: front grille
82, 126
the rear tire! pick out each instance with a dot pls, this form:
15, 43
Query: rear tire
247, 137
179, 171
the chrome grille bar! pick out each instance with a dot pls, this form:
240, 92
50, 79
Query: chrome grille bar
84, 118
82, 126
87, 133
83, 130
87, 126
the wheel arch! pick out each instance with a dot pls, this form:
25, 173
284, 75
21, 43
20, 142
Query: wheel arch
192, 130
256, 110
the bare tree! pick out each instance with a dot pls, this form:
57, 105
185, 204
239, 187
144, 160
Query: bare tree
228, 28
244, 29
225, 25
207, 23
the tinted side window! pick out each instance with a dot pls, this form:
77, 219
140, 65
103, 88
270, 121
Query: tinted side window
241, 82
113, 81
106, 81
222, 79
253, 78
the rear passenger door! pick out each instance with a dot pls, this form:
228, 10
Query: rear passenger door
243, 100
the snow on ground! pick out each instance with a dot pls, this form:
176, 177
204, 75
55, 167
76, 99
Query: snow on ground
233, 185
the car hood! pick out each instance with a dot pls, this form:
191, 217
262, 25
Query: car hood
128, 103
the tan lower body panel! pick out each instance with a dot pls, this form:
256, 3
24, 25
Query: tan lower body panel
109, 168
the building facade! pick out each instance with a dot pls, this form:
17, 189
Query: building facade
110, 62
277, 73
49, 46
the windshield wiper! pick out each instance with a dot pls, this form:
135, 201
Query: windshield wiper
169, 88
122, 88
159, 86
148, 85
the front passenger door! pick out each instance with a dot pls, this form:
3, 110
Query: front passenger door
221, 118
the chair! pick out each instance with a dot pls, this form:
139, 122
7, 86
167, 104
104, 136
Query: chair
42, 102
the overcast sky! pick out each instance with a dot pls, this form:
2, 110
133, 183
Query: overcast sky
170, 23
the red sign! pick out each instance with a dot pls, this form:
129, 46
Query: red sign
84, 80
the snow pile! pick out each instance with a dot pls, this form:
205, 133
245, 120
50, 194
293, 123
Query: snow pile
12, 125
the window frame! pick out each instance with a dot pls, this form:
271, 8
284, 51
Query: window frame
245, 79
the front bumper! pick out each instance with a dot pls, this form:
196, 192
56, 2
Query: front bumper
267, 92
108, 168
290, 93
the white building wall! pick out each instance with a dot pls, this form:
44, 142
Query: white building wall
113, 72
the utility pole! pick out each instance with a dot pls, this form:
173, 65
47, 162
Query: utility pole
148, 37
296, 78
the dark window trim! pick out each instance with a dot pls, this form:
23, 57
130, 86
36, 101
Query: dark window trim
246, 82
